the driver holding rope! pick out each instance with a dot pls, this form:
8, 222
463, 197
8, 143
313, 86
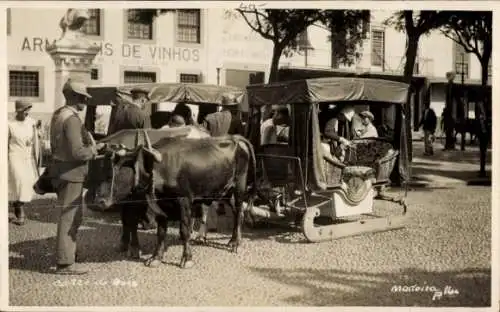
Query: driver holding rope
338, 132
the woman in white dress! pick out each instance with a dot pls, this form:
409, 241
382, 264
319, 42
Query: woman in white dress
23, 154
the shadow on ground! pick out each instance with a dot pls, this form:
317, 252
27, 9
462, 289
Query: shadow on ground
419, 173
334, 287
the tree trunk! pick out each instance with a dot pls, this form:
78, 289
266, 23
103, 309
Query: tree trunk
411, 55
484, 71
485, 61
275, 61
333, 55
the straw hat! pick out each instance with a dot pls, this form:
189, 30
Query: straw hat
367, 114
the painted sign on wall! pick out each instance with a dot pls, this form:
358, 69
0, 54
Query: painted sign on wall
125, 50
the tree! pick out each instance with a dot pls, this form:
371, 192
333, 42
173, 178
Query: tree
473, 31
282, 27
347, 32
414, 24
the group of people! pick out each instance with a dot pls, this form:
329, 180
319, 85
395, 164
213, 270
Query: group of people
342, 125
482, 126
72, 147
338, 127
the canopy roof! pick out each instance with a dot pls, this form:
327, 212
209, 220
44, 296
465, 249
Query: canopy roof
190, 93
327, 90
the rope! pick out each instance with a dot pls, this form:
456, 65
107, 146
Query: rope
123, 202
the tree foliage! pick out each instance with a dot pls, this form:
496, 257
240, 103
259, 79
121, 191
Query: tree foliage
473, 31
282, 27
348, 29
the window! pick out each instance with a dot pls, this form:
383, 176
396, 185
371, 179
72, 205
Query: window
23, 83
9, 21
461, 61
138, 30
188, 26
190, 78
378, 50
94, 74
93, 25
139, 77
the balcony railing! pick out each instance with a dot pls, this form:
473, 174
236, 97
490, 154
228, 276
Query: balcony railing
321, 58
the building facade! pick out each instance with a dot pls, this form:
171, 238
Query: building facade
206, 46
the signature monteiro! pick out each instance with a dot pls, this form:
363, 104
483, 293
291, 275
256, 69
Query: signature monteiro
437, 293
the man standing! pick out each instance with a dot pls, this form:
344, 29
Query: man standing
71, 150
133, 116
429, 123
226, 121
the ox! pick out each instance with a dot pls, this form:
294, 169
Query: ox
133, 207
176, 172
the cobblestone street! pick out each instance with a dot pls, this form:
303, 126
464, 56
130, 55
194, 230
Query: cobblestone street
442, 258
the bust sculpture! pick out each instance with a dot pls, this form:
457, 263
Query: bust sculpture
72, 24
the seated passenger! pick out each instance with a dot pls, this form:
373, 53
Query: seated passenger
369, 131
329, 157
275, 129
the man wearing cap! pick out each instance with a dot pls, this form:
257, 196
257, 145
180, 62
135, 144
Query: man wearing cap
338, 131
226, 121
23, 158
131, 115
71, 148
369, 130
429, 123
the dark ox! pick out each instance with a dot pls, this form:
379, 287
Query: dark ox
134, 206
175, 173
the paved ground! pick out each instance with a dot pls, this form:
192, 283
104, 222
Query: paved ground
445, 247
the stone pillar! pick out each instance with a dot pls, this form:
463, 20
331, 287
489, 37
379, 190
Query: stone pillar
73, 53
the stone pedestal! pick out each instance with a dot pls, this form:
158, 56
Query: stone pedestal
73, 60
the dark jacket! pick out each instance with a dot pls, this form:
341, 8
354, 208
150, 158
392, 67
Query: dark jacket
345, 129
128, 116
429, 120
70, 146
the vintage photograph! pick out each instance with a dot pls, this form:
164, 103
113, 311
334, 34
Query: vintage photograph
250, 154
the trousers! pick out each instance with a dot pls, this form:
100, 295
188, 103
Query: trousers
428, 140
69, 201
